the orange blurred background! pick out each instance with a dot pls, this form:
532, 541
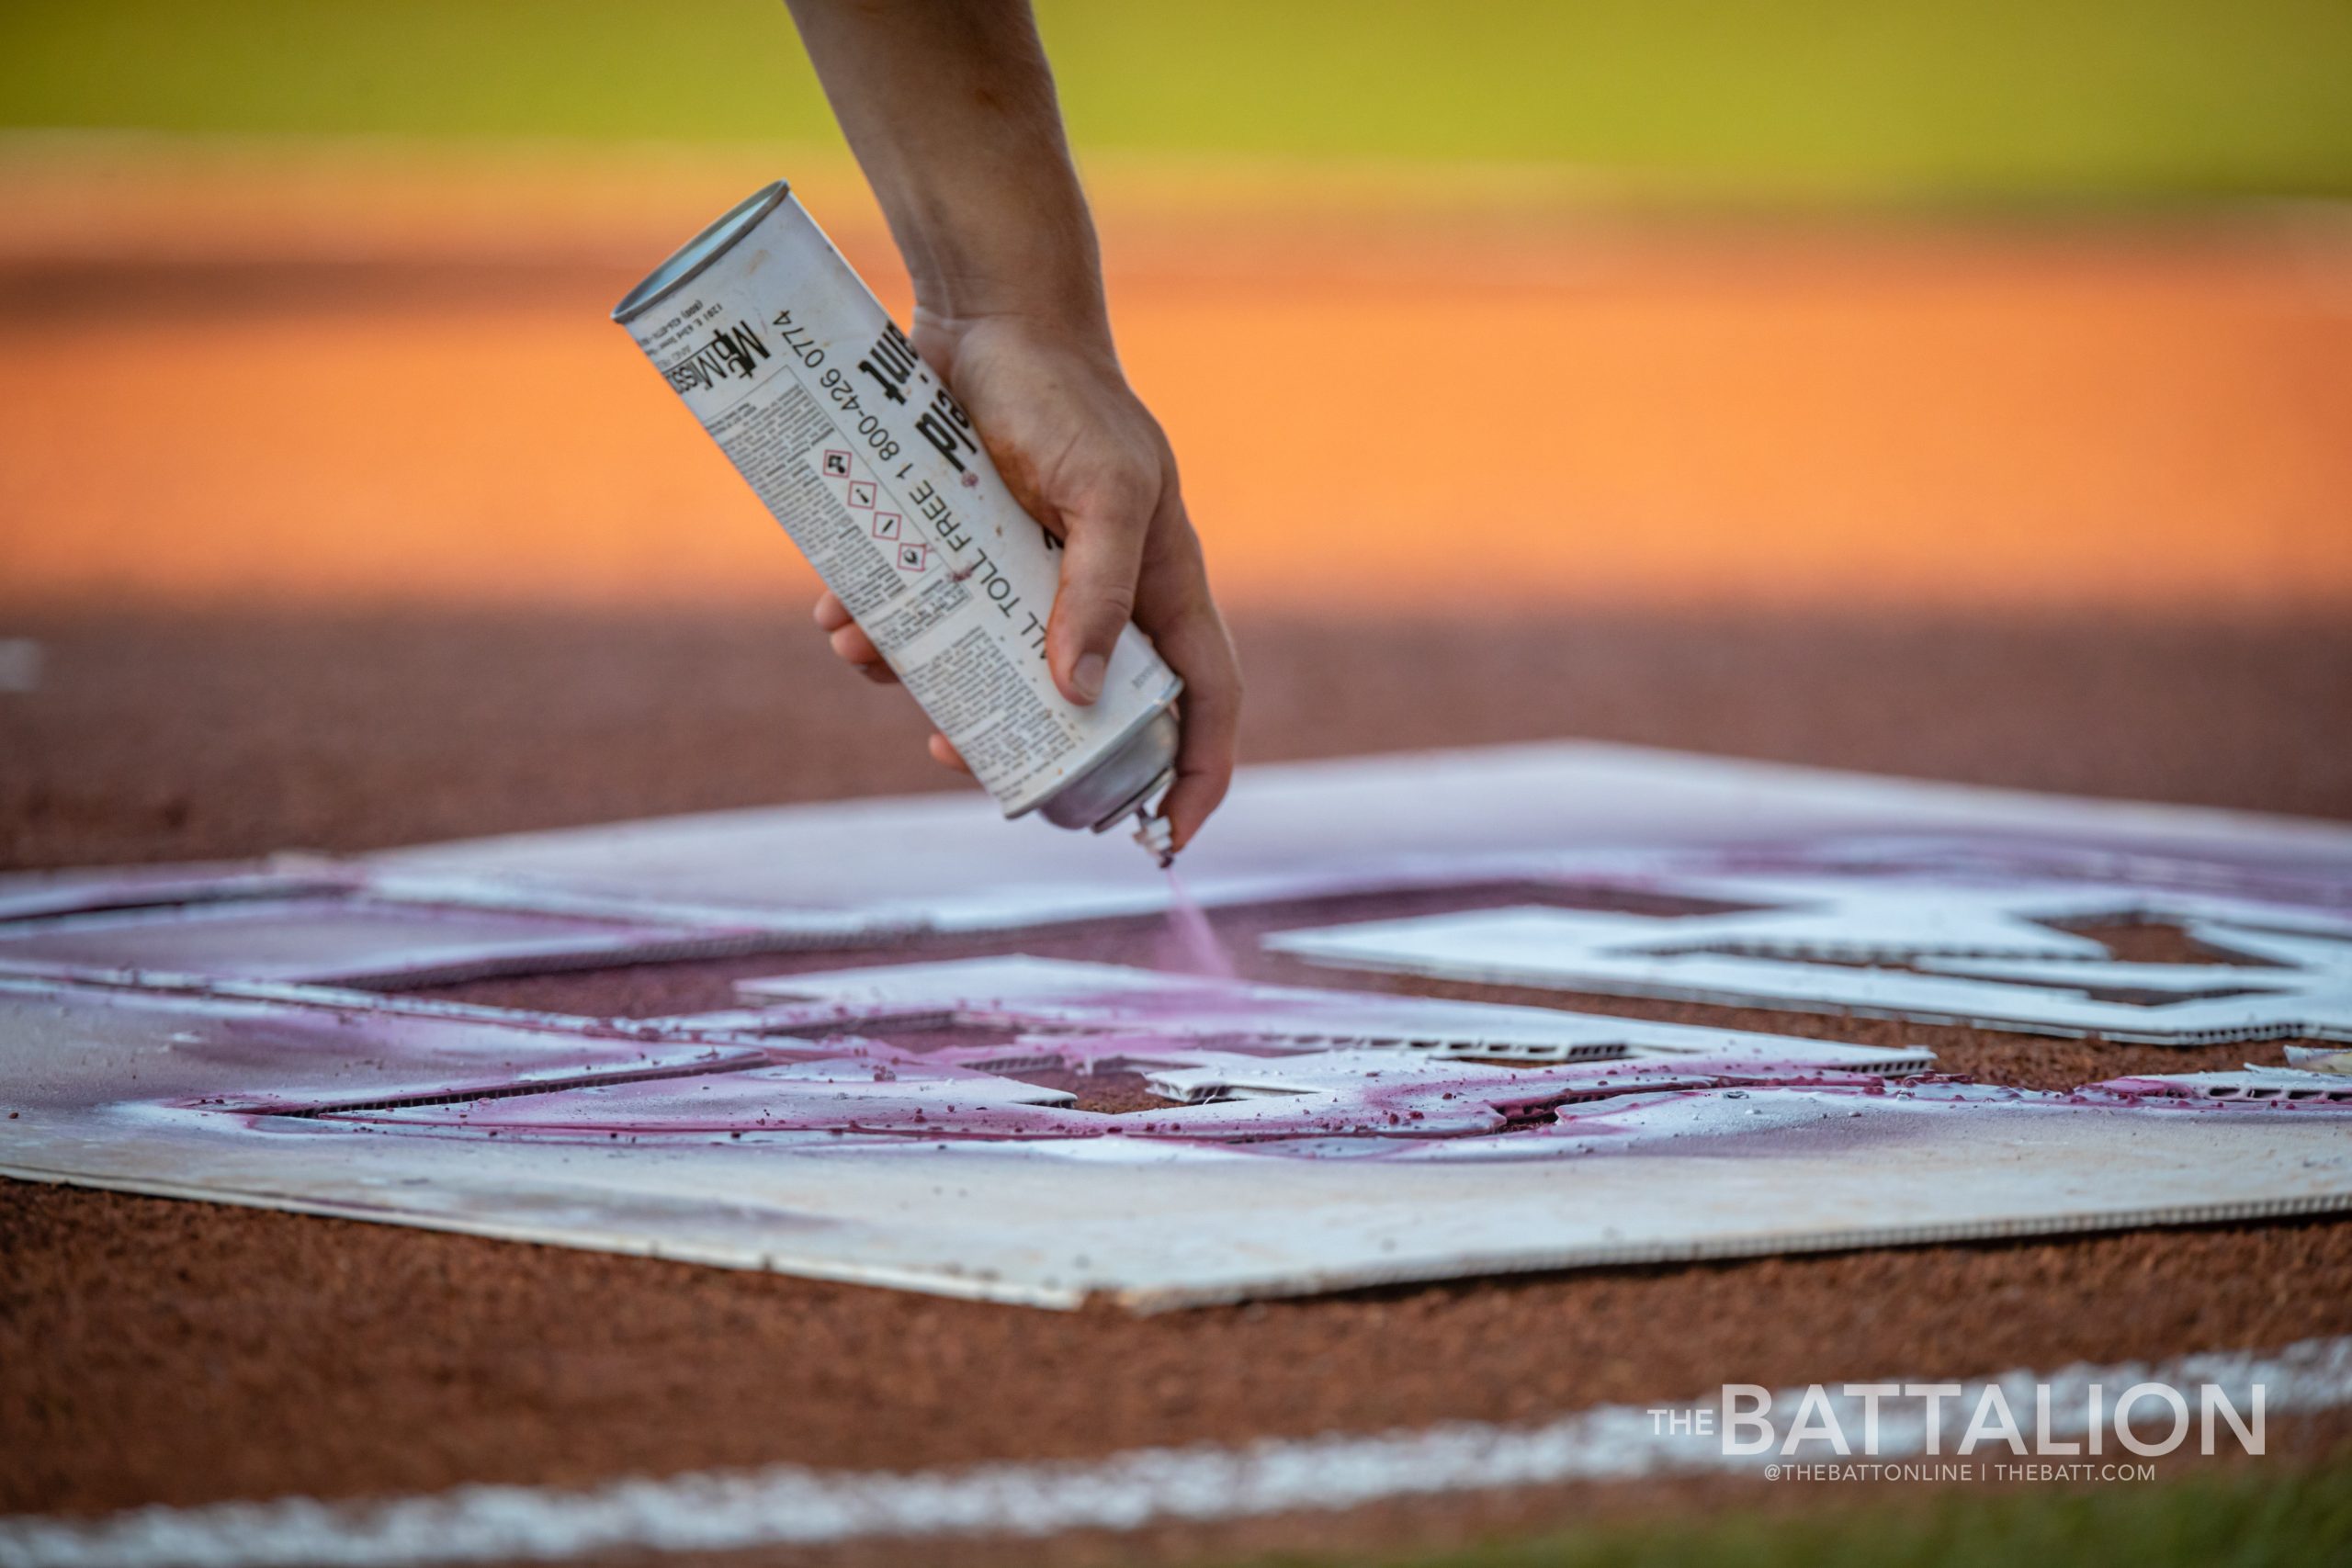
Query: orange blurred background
243, 372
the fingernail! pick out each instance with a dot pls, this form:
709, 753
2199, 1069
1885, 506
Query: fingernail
1087, 676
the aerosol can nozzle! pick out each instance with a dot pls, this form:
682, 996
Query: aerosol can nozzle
1154, 834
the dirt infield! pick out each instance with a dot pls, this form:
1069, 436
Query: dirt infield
181, 1352
404, 546
162, 736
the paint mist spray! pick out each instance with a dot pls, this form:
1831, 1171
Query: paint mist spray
1192, 944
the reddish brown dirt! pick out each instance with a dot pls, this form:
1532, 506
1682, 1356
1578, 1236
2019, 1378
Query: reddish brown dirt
2149, 942
1109, 1094
184, 736
349, 1358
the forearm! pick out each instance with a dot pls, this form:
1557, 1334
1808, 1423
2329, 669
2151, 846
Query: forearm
949, 105
950, 108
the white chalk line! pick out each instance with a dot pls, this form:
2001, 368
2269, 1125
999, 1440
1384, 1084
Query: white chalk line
790, 1505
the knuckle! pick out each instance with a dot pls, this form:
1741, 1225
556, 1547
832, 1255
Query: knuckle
1123, 491
1173, 549
1111, 597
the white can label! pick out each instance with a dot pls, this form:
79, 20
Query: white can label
872, 466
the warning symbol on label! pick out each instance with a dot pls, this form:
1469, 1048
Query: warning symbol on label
836, 465
861, 493
914, 558
886, 524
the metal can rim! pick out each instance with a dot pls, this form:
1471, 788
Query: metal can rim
1103, 755
687, 262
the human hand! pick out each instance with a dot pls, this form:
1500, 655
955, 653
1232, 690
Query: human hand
1085, 457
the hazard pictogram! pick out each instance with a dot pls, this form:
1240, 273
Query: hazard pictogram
886, 524
861, 493
836, 465
914, 558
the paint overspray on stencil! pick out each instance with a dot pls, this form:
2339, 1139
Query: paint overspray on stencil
917, 1125
1272, 1171
1043, 994
1965, 947
1258, 1069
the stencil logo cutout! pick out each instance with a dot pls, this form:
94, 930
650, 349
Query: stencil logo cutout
1944, 949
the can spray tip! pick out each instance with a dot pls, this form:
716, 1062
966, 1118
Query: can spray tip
1156, 837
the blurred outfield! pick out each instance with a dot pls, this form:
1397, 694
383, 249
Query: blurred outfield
1597, 301
1996, 100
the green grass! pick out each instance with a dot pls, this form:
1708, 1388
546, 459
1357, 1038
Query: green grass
2252, 1518
1912, 99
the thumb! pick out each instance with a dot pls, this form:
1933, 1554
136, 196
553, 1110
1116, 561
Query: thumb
1101, 554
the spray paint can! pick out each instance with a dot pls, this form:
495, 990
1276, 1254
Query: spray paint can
873, 469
